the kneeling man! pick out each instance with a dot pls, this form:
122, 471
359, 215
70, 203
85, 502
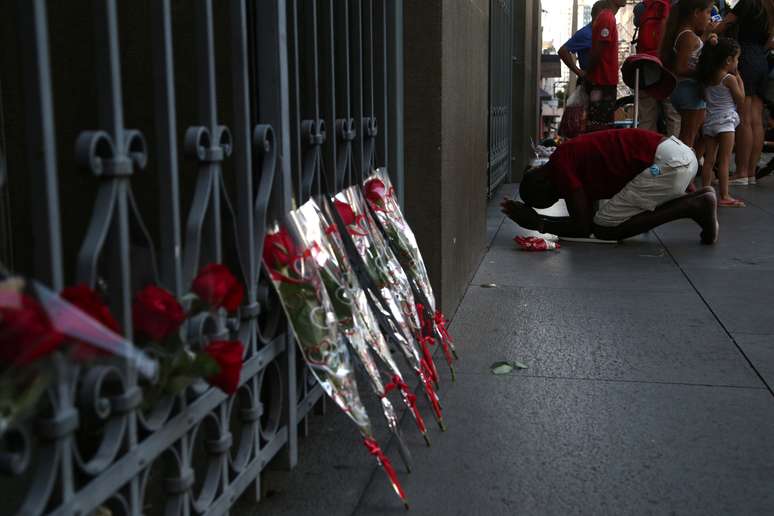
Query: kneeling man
643, 174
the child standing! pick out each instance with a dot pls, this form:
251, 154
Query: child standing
724, 92
680, 52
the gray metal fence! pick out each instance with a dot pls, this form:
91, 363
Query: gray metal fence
500, 92
240, 109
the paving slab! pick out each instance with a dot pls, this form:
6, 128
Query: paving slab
743, 245
636, 263
520, 445
759, 349
598, 333
741, 299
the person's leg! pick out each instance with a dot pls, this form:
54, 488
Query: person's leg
690, 123
672, 119
757, 134
648, 112
744, 141
701, 206
711, 148
725, 147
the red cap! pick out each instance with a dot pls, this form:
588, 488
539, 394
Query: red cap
655, 80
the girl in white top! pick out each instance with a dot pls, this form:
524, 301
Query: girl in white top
724, 92
680, 51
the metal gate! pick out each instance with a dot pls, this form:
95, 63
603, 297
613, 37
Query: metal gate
500, 92
144, 139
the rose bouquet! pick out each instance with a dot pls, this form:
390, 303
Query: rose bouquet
343, 289
295, 271
381, 199
387, 287
365, 319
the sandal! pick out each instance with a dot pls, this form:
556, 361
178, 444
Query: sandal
731, 203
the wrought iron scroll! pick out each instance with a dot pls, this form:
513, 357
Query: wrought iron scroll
94, 447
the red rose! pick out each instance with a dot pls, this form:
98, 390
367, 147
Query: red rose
279, 251
218, 287
228, 355
26, 333
345, 212
375, 191
89, 302
156, 313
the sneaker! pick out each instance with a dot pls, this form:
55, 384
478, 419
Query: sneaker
752, 181
740, 181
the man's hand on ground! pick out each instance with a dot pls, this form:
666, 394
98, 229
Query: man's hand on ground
521, 214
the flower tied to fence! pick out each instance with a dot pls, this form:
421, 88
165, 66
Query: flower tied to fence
374, 449
158, 316
411, 399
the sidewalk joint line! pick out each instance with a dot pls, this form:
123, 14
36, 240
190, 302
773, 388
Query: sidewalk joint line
715, 315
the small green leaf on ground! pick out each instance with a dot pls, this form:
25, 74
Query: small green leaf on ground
489, 285
503, 367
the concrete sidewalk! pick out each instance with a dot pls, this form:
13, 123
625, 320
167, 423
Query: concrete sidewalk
648, 388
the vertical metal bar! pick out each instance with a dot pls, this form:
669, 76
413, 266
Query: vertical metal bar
381, 88
111, 117
368, 123
207, 111
395, 96
41, 146
328, 91
166, 135
345, 128
273, 85
243, 161
296, 168
356, 81
111, 113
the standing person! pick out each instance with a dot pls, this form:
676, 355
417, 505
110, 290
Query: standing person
602, 74
755, 19
580, 45
724, 91
652, 20
680, 53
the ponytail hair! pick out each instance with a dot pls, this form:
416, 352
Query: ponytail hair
713, 58
680, 12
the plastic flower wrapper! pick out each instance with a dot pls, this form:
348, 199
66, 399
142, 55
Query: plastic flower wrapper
387, 286
536, 244
380, 195
294, 270
344, 290
37, 329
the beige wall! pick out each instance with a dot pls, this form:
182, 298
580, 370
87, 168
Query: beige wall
446, 117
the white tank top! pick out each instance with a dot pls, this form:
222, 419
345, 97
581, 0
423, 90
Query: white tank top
719, 98
693, 60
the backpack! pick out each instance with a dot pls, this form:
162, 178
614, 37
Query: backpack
649, 17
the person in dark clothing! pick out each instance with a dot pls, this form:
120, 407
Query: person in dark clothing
755, 21
642, 173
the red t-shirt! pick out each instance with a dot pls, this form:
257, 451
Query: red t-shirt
604, 42
601, 163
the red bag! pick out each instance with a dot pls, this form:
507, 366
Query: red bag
651, 25
574, 117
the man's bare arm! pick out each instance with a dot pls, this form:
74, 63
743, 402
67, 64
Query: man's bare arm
569, 60
577, 225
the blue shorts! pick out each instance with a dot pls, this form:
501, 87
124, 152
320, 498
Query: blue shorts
687, 96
